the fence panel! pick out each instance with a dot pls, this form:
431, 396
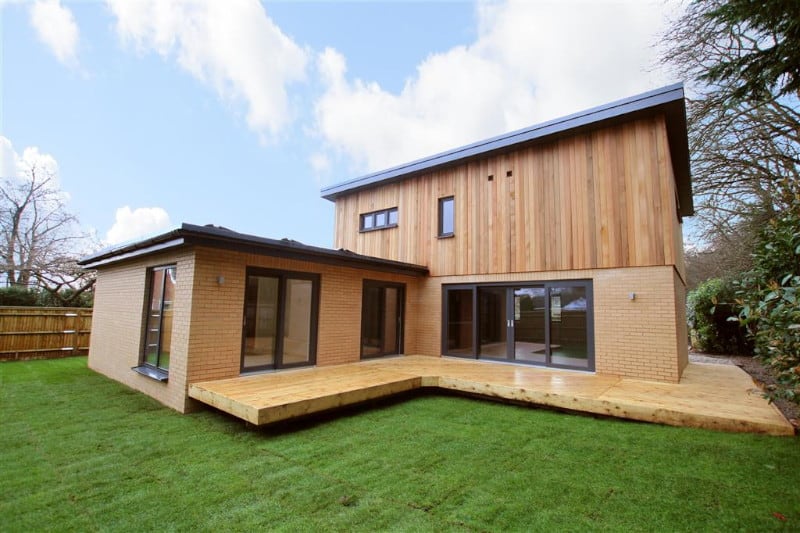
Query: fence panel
44, 332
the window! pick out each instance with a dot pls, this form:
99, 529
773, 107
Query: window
385, 218
280, 319
446, 216
546, 323
158, 323
381, 318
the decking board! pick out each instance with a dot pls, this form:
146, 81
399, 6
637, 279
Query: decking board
721, 397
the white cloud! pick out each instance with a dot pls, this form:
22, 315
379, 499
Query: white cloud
55, 25
16, 167
531, 61
130, 224
233, 46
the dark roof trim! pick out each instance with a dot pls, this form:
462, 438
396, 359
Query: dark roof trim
222, 238
669, 100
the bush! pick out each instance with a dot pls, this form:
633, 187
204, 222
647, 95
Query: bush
28, 297
19, 296
770, 299
712, 312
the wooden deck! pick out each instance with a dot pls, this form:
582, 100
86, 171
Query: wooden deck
721, 397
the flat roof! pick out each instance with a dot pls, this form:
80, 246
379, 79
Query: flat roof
224, 238
667, 100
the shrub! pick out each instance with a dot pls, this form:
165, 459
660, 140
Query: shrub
711, 306
770, 299
31, 297
18, 296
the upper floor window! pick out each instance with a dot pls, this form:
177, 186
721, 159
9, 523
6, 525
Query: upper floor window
447, 216
385, 218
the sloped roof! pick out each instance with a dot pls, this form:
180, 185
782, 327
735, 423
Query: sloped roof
668, 101
223, 238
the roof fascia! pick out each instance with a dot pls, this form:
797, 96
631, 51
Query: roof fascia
589, 118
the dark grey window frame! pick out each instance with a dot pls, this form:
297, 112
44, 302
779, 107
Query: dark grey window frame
373, 216
144, 368
401, 287
282, 276
586, 284
440, 229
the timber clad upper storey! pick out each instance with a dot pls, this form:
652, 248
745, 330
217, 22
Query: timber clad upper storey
600, 192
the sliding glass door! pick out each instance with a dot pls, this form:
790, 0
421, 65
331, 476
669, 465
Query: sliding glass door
544, 323
381, 318
280, 319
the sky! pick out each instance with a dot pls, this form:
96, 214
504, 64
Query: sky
150, 113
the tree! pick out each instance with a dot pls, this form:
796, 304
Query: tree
38, 236
770, 36
745, 151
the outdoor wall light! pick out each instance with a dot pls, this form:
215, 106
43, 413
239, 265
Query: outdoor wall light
220, 280
632, 296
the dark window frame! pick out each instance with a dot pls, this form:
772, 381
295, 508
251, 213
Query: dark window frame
282, 276
440, 228
373, 217
145, 368
401, 303
587, 284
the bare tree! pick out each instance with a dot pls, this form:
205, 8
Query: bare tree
745, 151
39, 237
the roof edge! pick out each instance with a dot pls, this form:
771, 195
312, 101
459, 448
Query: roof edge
595, 115
223, 238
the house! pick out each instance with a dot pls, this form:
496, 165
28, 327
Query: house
557, 245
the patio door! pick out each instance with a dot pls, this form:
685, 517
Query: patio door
512, 323
546, 323
279, 329
381, 318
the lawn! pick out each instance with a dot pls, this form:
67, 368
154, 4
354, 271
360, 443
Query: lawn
81, 452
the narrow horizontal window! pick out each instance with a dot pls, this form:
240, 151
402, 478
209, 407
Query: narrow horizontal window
385, 218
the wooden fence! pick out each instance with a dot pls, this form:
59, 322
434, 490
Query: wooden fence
44, 332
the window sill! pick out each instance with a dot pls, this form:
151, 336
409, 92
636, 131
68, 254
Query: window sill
446, 236
152, 373
389, 226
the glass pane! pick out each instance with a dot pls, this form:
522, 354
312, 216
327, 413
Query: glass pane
297, 322
380, 219
459, 322
371, 321
393, 217
568, 333
366, 221
166, 320
261, 315
390, 322
493, 321
529, 325
447, 216
153, 326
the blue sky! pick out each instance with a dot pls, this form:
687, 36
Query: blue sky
152, 113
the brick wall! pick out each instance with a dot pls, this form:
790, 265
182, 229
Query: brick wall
216, 330
116, 341
643, 338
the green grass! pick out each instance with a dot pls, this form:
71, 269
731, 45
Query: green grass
81, 452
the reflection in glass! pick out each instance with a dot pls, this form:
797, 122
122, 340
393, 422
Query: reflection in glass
261, 315
568, 333
493, 322
297, 321
459, 322
529, 325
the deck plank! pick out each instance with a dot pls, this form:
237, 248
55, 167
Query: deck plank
719, 397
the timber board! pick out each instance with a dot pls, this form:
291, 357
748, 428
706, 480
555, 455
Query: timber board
721, 397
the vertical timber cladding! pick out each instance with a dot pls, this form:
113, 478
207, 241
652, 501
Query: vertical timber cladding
602, 199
